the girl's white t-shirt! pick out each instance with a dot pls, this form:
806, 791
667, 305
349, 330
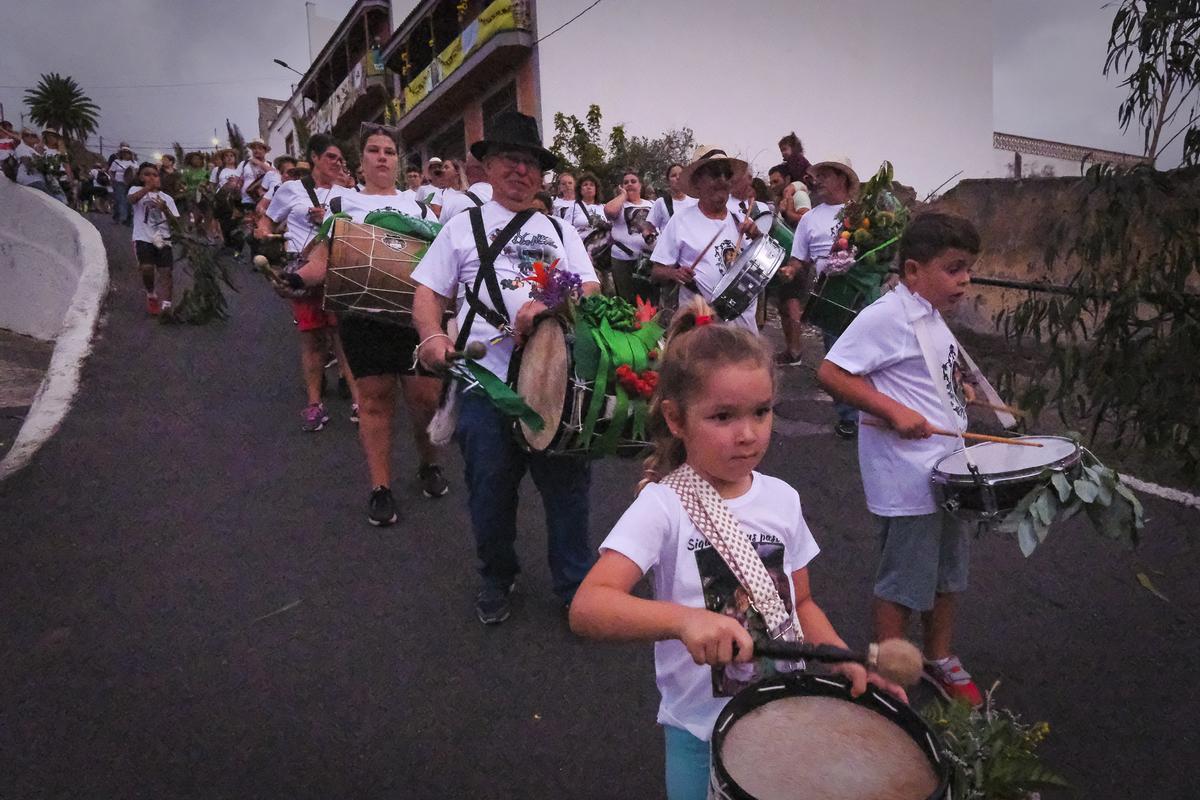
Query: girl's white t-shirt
627, 230
679, 243
358, 205
657, 534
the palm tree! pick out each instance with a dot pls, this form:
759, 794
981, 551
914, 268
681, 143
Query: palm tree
58, 102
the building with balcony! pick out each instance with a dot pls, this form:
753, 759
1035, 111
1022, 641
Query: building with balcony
347, 83
454, 65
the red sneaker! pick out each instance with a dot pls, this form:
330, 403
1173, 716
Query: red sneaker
952, 681
153, 307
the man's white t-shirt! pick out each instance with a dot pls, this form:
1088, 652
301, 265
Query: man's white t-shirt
627, 230
271, 182
658, 212
461, 201
815, 233
881, 345
452, 263
223, 174
250, 173
26, 177
116, 169
657, 534
679, 244
149, 221
291, 204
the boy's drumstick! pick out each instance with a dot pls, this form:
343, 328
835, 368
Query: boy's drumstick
1016, 412
974, 437
898, 660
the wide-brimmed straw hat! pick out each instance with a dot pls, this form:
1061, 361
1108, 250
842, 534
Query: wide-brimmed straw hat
221, 153
51, 132
259, 143
707, 154
516, 131
841, 165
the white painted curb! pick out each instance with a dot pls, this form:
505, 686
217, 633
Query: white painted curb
71, 347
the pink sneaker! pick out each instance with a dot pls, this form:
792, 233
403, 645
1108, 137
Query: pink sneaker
952, 681
153, 306
315, 417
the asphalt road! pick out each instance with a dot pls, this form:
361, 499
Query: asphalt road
194, 605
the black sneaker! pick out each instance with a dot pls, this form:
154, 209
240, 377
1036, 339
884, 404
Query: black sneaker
382, 508
492, 604
432, 482
846, 430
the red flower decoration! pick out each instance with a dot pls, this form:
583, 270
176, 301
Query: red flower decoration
645, 311
703, 319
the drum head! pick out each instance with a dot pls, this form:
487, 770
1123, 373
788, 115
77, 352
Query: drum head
998, 459
802, 735
756, 265
542, 381
370, 270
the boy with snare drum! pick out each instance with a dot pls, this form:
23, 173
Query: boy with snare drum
897, 363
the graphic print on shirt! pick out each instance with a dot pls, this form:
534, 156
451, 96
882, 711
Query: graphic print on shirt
724, 595
952, 384
526, 249
726, 253
635, 219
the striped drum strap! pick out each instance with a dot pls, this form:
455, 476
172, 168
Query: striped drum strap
712, 518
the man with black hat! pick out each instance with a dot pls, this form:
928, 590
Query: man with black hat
474, 262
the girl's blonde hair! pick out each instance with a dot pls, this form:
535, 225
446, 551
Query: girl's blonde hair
697, 343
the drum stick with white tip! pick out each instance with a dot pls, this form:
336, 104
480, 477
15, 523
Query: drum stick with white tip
473, 351
974, 437
1016, 412
897, 660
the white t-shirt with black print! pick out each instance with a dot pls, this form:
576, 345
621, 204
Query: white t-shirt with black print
659, 215
657, 534
627, 230
290, 204
574, 212
149, 221
815, 233
116, 170
882, 346
452, 263
679, 245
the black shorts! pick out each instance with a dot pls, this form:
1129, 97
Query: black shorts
378, 348
147, 253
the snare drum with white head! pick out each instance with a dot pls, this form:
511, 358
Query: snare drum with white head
996, 476
801, 735
745, 280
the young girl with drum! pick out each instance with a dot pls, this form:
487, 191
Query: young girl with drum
711, 421
379, 353
897, 362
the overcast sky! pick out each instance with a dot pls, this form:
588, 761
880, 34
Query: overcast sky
920, 82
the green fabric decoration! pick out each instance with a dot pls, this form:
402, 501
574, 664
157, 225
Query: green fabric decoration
403, 224
503, 397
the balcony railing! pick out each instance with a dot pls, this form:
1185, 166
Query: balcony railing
500, 16
368, 72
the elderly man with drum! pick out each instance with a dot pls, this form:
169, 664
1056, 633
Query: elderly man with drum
477, 263
381, 350
701, 242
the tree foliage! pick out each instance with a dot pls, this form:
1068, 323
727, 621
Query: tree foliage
581, 145
236, 141
1124, 343
1157, 43
58, 102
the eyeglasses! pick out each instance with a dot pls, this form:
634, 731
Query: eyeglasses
516, 158
333, 158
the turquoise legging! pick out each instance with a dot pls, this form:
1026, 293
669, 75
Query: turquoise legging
687, 765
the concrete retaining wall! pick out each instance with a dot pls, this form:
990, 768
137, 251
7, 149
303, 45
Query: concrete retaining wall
53, 279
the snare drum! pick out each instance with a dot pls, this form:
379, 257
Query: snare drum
548, 383
370, 271
1003, 474
745, 280
801, 735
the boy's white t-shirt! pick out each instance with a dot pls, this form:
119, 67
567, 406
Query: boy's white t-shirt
627, 230
149, 220
679, 243
880, 344
658, 213
290, 204
452, 262
815, 233
657, 534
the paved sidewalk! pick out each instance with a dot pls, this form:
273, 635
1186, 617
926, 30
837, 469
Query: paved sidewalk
195, 607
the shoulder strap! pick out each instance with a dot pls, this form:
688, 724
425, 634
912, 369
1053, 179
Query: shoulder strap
497, 314
310, 186
669, 202
474, 198
424, 209
557, 229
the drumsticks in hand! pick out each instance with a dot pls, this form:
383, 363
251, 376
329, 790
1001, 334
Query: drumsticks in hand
974, 437
898, 660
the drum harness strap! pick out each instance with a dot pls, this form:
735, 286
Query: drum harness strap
716, 522
496, 315
925, 340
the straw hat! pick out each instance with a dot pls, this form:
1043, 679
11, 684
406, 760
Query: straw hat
259, 143
707, 154
841, 165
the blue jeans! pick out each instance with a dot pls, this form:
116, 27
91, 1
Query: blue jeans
688, 760
845, 413
121, 209
495, 465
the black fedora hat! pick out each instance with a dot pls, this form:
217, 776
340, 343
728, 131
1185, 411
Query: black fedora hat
515, 131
